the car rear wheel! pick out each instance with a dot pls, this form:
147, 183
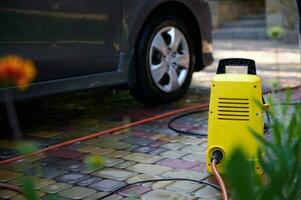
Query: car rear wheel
164, 59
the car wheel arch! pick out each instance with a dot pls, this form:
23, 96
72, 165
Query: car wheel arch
173, 7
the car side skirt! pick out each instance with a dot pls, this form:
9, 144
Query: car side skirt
107, 79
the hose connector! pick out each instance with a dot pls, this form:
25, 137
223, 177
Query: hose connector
217, 155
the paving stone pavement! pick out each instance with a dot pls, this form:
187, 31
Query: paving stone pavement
149, 151
132, 157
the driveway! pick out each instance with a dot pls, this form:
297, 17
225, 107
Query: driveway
147, 151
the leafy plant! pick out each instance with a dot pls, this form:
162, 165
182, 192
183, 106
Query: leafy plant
28, 188
27, 183
280, 160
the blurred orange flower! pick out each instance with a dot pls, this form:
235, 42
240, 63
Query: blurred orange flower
14, 69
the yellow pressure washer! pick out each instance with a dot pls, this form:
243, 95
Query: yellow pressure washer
233, 111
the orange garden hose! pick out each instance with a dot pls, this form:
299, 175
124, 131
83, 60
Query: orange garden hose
219, 180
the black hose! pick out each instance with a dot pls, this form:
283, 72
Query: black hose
186, 132
160, 180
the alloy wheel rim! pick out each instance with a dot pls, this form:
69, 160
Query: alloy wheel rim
169, 59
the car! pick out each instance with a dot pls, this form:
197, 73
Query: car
150, 46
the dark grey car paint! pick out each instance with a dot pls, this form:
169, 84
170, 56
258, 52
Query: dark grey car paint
78, 44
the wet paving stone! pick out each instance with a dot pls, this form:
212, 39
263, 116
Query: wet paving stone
88, 149
18, 197
115, 145
102, 151
48, 160
197, 157
6, 175
40, 183
192, 140
125, 164
133, 147
21, 197
140, 177
165, 195
20, 166
17, 181
149, 169
211, 179
89, 181
77, 192
135, 191
144, 134
95, 196
107, 185
208, 193
72, 178
144, 158
199, 168
114, 197
184, 187
53, 196
64, 153
55, 188
111, 162
138, 140
192, 149
177, 163
72, 165
116, 174
156, 137
118, 153
182, 173
158, 150
171, 138
88, 169
174, 146
174, 154
116, 136
144, 149
157, 143
7, 194
161, 184
48, 172
73, 147
166, 131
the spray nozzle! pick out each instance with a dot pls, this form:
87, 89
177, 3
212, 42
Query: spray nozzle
217, 155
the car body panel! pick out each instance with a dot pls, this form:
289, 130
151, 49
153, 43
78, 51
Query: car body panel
74, 42
64, 38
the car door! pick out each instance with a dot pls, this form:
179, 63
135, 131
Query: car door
65, 38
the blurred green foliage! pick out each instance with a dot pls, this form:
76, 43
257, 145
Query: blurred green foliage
95, 162
279, 158
29, 188
275, 32
27, 183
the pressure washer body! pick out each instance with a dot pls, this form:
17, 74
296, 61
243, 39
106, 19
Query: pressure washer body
234, 109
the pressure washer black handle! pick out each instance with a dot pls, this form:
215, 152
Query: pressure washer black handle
221, 69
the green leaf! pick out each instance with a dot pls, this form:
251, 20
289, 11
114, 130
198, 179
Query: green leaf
28, 187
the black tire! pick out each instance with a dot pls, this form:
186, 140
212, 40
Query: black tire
145, 90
